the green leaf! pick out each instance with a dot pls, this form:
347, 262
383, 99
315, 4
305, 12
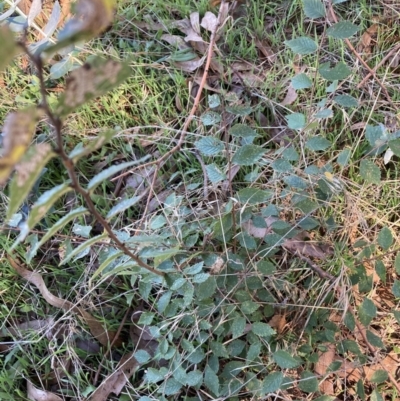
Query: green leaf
83, 231
295, 182
112, 255
153, 376
209, 146
62, 67
56, 227
396, 315
360, 389
367, 311
339, 71
210, 118
253, 352
302, 45
308, 382
142, 356
296, 121
385, 238
211, 380
82, 247
164, 301
374, 340
375, 396
325, 113
370, 172
272, 382
92, 80
253, 196
171, 386
214, 101
395, 147
102, 138
307, 205
397, 263
344, 157
242, 131
196, 268
237, 327
45, 202
122, 206
219, 349
290, 154
200, 278
194, 378
342, 30
247, 155
380, 270
396, 288
180, 375
27, 172
314, 8
318, 143
262, 329
109, 172
8, 48
282, 166
207, 289
284, 360
346, 101
214, 173
249, 307
301, 81
379, 377
247, 241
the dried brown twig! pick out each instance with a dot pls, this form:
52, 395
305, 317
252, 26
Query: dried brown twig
57, 124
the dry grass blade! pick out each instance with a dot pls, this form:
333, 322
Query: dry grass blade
96, 328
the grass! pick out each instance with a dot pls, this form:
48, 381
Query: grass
307, 312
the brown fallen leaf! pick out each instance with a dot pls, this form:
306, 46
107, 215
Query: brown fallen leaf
308, 248
278, 322
258, 232
217, 266
95, 327
35, 394
325, 359
291, 96
390, 363
115, 382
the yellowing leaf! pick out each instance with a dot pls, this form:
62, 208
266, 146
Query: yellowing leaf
91, 18
18, 131
89, 81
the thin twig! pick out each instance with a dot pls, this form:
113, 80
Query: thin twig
390, 54
354, 51
69, 165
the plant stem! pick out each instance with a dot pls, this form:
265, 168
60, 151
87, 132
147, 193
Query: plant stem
69, 165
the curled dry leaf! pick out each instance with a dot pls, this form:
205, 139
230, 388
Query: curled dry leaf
116, 381
308, 248
35, 394
278, 322
291, 96
96, 327
18, 131
217, 266
40, 325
